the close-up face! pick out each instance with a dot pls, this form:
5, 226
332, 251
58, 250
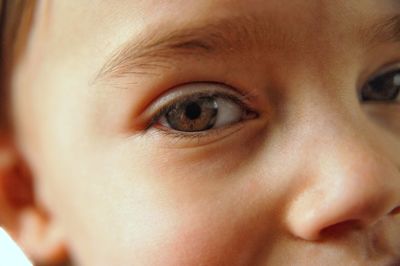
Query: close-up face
229, 132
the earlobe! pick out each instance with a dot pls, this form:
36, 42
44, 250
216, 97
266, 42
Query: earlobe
25, 219
41, 238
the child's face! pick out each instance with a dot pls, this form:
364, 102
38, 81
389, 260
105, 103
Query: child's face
229, 132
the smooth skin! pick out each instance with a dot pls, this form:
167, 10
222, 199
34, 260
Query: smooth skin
312, 179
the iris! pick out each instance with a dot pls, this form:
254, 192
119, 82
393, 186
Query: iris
193, 115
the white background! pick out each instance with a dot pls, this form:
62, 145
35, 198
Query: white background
10, 254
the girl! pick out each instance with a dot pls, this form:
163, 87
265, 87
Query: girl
203, 132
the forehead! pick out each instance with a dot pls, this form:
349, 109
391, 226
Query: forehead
98, 29
131, 17
185, 11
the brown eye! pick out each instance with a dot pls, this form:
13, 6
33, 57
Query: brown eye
198, 108
201, 113
385, 87
193, 115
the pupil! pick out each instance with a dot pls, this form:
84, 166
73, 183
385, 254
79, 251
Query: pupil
193, 111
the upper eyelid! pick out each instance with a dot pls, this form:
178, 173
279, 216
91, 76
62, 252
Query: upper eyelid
387, 68
214, 89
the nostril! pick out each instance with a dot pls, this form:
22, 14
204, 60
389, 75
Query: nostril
395, 211
341, 228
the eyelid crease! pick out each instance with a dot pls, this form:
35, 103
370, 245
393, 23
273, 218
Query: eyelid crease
200, 88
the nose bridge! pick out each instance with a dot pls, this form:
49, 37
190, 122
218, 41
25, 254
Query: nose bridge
349, 180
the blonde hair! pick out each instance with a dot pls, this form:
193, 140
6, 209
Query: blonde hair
15, 23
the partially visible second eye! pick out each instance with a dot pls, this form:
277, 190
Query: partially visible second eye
384, 87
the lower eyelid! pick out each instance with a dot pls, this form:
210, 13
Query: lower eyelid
176, 139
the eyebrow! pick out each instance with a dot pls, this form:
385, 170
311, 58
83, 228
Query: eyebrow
151, 51
385, 30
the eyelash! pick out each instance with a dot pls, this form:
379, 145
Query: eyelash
178, 135
241, 100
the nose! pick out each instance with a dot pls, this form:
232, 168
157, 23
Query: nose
350, 186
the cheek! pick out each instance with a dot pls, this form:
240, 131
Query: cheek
196, 235
122, 201
119, 209
208, 218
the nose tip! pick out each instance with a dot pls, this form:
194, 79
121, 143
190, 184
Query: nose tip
345, 201
315, 217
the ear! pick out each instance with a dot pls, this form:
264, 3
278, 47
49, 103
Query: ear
21, 215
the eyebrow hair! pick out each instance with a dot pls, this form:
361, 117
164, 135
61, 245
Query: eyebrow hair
226, 36
152, 50
386, 30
